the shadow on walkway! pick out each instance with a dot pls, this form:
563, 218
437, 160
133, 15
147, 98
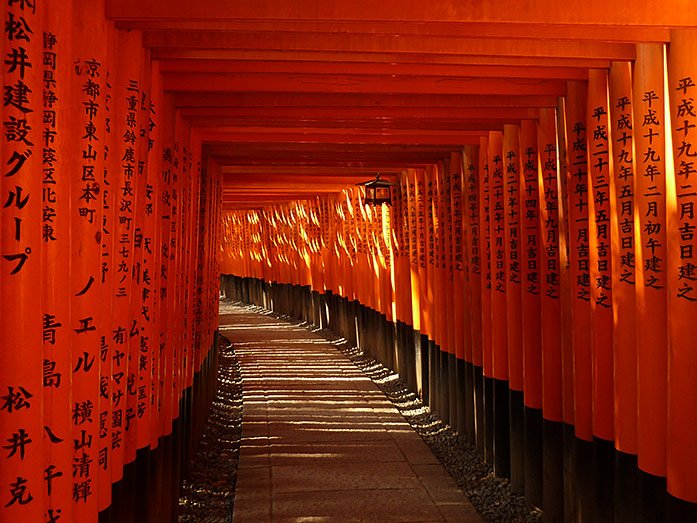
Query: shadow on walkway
320, 441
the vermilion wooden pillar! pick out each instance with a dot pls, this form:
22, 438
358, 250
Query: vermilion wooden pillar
551, 354
109, 278
551, 317
565, 284
137, 253
432, 319
452, 314
579, 235
395, 239
461, 312
473, 350
483, 434
497, 226
149, 362
600, 252
624, 294
499, 288
382, 282
411, 244
22, 327
580, 292
403, 282
422, 243
531, 313
439, 300
514, 298
624, 264
56, 235
86, 152
512, 205
150, 275
165, 368
682, 364
125, 181
601, 260
326, 241
651, 275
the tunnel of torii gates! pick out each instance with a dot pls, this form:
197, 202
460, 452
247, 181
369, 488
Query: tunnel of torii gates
533, 280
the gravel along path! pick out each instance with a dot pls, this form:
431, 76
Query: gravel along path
491, 495
209, 493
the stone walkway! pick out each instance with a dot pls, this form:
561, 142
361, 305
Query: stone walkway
320, 442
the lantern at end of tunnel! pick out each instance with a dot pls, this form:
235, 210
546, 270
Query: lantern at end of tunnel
378, 191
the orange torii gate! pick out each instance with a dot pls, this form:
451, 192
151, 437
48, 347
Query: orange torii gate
533, 280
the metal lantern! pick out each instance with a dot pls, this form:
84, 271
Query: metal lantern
378, 191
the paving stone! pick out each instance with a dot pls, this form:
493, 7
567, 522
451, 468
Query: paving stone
334, 440
324, 433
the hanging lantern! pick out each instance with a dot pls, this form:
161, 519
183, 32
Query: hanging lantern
378, 191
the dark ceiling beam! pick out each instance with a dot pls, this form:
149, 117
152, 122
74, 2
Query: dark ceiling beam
340, 136
339, 42
604, 33
321, 172
369, 162
360, 113
285, 67
656, 13
386, 125
231, 82
357, 100
180, 53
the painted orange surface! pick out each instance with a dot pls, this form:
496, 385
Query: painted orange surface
472, 217
682, 388
651, 256
579, 262
485, 250
549, 256
541, 229
499, 284
532, 268
623, 266
514, 248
